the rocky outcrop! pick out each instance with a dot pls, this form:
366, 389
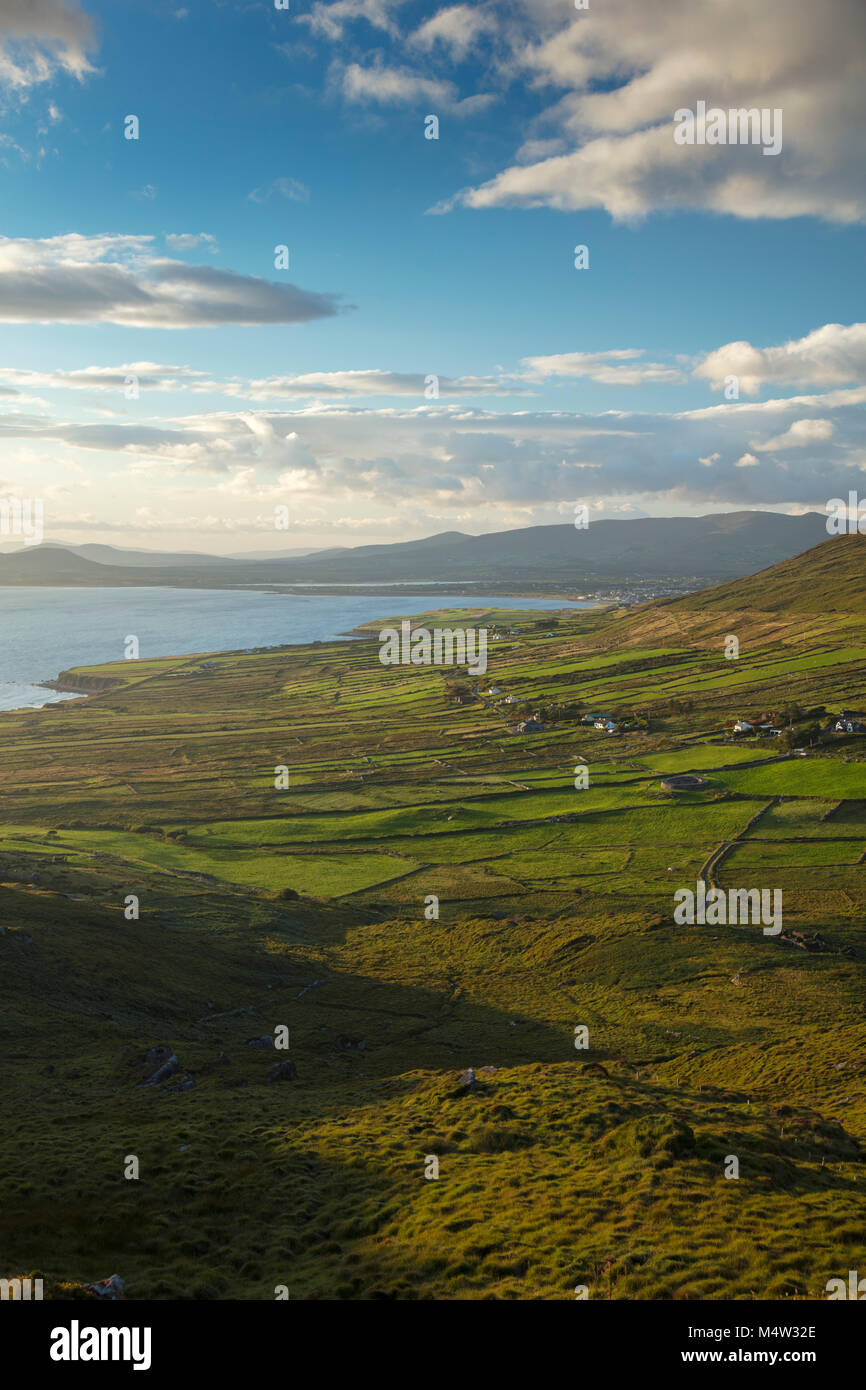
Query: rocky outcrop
158, 1065
74, 683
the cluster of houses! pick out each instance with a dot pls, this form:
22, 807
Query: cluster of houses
770, 725
845, 725
602, 723
534, 723
743, 726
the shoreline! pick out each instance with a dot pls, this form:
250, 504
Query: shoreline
76, 682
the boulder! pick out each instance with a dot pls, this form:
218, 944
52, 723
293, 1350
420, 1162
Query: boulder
162, 1073
283, 1071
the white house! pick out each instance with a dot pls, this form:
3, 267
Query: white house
743, 726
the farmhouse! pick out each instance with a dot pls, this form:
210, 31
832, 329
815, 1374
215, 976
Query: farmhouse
530, 726
743, 726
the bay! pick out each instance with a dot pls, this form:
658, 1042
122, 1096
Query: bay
44, 631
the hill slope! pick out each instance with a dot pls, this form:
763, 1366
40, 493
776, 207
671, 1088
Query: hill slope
829, 578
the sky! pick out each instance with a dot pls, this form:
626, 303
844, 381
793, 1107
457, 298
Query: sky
320, 262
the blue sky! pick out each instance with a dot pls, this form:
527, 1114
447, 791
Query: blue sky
153, 259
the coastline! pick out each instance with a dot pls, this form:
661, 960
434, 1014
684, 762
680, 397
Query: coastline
81, 681
69, 683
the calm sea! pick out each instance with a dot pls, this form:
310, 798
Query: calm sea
45, 631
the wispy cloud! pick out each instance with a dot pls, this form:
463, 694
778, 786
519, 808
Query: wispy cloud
188, 241
616, 367
330, 20
286, 188
456, 29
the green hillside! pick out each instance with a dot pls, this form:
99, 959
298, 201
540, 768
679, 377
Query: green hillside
308, 907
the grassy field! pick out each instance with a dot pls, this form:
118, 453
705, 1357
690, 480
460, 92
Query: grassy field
308, 906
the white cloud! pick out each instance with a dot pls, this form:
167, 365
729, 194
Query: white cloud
456, 29
832, 355
456, 457
392, 86
118, 279
617, 72
801, 434
149, 376
39, 38
309, 386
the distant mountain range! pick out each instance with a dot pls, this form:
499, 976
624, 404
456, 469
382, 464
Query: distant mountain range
707, 548
120, 555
